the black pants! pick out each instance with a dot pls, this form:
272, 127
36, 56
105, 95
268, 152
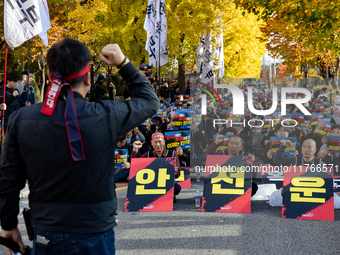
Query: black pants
177, 189
254, 188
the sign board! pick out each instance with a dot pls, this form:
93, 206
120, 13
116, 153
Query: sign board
181, 119
223, 146
323, 128
308, 194
121, 156
276, 142
177, 139
151, 185
227, 186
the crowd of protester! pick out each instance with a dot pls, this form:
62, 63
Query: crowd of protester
221, 139
301, 141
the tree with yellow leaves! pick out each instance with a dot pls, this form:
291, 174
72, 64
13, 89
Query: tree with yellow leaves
122, 22
304, 32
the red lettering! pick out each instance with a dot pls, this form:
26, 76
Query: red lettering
170, 137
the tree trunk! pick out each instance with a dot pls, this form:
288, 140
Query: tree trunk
181, 70
108, 77
305, 75
181, 78
336, 73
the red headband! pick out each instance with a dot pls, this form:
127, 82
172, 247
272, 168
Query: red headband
84, 71
53, 91
157, 135
70, 114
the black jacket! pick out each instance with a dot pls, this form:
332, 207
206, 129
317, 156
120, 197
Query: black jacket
165, 92
65, 195
13, 103
99, 91
295, 160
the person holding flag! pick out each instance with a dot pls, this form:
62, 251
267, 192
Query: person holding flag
22, 21
12, 97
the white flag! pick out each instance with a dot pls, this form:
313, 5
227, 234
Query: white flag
218, 50
199, 61
21, 20
156, 26
45, 20
161, 32
207, 69
149, 26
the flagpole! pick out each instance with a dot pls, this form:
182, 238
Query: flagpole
159, 44
28, 72
3, 100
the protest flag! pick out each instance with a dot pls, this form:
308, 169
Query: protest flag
156, 26
24, 20
45, 21
218, 50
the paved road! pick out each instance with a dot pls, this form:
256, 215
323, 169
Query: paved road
188, 231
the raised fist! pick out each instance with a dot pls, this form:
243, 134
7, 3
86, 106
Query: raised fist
137, 145
287, 143
112, 55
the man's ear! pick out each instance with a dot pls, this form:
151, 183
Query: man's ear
87, 79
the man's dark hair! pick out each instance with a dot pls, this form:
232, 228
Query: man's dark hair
121, 138
157, 117
68, 57
335, 126
278, 126
236, 136
26, 72
230, 129
12, 77
324, 89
